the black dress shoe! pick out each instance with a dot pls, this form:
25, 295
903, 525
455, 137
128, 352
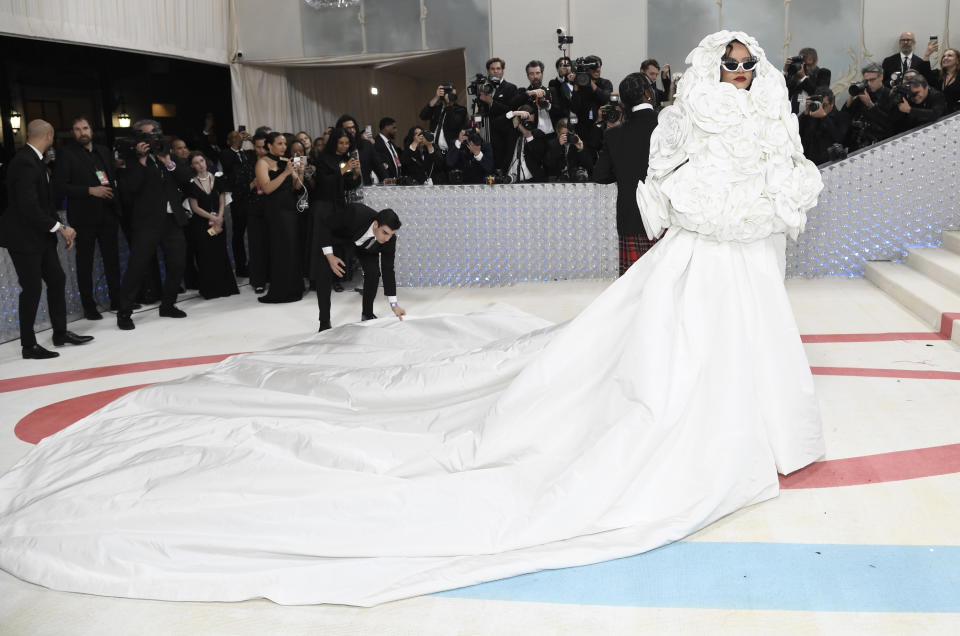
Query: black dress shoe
337, 287
92, 314
36, 352
171, 311
365, 317
324, 326
68, 337
259, 290
125, 322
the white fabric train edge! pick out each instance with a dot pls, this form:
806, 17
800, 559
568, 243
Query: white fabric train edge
726, 162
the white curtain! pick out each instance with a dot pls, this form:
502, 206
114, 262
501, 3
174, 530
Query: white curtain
192, 29
261, 97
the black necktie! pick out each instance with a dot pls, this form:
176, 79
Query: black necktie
906, 63
519, 158
369, 243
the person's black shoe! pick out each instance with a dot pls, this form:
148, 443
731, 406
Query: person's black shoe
92, 314
359, 290
365, 317
171, 311
125, 322
259, 290
68, 337
337, 287
324, 326
36, 352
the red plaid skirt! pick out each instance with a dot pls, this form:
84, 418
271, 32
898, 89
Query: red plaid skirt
632, 247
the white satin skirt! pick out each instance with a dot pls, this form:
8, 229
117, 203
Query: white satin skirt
389, 459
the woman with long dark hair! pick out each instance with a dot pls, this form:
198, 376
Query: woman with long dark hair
281, 181
205, 228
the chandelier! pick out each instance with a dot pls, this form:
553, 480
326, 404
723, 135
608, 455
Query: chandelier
332, 4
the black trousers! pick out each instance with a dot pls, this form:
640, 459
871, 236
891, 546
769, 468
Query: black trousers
239, 214
258, 235
106, 233
32, 268
151, 283
370, 262
143, 251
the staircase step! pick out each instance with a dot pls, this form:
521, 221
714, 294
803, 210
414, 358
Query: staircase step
915, 291
939, 264
951, 241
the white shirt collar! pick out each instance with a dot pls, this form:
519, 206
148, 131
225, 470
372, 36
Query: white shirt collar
366, 236
642, 106
39, 154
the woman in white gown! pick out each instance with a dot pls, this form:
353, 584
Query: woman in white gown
384, 460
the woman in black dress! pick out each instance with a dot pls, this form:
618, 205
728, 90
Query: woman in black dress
281, 182
205, 195
337, 179
419, 157
947, 79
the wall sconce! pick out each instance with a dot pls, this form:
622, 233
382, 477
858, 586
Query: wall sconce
123, 119
15, 120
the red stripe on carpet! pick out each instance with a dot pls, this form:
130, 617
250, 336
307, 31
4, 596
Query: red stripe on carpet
55, 417
46, 379
872, 337
871, 469
886, 373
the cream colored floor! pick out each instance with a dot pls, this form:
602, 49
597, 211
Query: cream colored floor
862, 416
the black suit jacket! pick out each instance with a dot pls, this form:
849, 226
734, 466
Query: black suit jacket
151, 188
31, 214
74, 174
561, 99
535, 155
349, 223
390, 168
624, 159
587, 104
238, 172
893, 64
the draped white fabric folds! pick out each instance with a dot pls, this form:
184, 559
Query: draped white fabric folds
388, 459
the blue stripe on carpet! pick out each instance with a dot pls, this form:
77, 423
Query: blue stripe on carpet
777, 576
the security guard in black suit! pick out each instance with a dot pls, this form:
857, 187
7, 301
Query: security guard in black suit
28, 229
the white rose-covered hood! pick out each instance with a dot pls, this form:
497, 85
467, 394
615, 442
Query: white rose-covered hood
727, 162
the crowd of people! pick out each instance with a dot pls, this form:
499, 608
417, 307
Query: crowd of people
572, 127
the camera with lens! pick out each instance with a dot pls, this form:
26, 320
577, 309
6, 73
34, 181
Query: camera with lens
582, 67
562, 39
482, 85
127, 146
429, 136
815, 103
794, 64
572, 139
448, 88
474, 137
500, 178
857, 89
610, 114
901, 91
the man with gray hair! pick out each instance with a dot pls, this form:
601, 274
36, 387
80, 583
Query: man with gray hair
868, 109
28, 229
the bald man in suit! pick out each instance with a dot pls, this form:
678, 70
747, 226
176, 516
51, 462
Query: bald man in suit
29, 229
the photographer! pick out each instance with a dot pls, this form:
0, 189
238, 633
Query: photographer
590, 93
538, 97
419, 157
529, 159
804, 77
651, 68
471, 158
152, 180
868, 109
624, 160
822, 129
561, 90
495, 105
917, 103
447, 118
568, 159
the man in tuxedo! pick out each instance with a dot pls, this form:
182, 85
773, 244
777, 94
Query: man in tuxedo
561, 90
368, 156
387, 153
238, 167
28, 229
538, 97
496, 105
624, 160
85, 175
906, 60
374, 234
152, 179
529, 156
